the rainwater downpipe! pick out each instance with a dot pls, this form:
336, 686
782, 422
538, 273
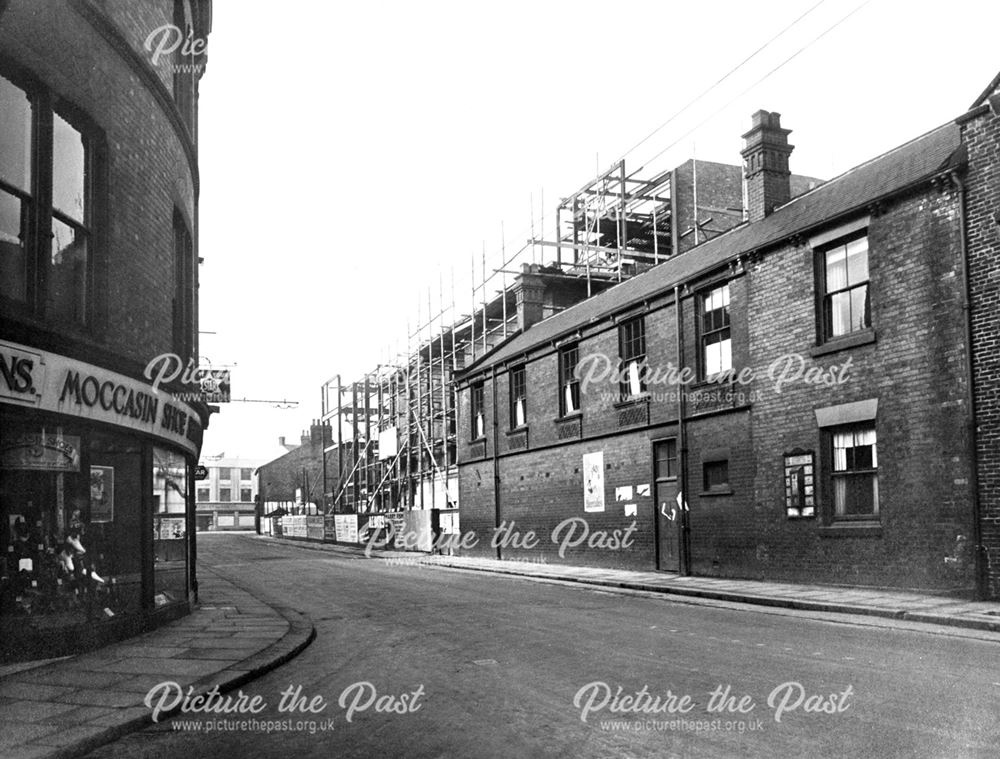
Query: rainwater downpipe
684, 532
979, 557
496, 460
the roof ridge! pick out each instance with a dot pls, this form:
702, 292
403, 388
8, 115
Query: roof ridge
861, 165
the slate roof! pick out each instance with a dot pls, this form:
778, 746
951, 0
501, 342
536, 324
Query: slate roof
902, 167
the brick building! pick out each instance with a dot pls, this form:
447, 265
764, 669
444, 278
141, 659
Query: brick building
294, 482
98, 278
787, 400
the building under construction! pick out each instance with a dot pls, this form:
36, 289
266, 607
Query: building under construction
396, 439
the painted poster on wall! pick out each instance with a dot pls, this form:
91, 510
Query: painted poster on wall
593, 481
102, 494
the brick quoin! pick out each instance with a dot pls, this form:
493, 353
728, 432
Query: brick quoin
981, 136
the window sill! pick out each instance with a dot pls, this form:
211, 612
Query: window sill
855, 340
713, 493
477, 440
632, 401
570, 417
851, 530
515, 430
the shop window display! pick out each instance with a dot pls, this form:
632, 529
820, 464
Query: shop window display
170, 498
64, 528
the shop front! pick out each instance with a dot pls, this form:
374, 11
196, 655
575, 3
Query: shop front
96, 513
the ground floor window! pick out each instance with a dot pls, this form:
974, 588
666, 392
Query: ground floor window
170, 545
855, 472
76, 513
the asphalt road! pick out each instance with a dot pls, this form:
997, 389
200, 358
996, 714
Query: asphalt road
429, 662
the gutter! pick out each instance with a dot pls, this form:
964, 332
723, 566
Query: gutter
979, 550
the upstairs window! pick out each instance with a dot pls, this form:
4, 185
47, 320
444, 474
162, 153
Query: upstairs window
632, 352
17, 201
855, 472
518, 397
477, 412
46, 225
569, 383
844, 288
716, 341
246, 473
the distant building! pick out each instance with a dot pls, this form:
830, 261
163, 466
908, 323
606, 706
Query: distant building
227, 498
294, 483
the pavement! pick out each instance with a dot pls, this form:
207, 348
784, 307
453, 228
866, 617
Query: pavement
69, 706
937, 609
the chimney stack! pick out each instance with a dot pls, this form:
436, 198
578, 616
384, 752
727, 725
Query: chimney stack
320, 433
281, 441
529, 294
765, 165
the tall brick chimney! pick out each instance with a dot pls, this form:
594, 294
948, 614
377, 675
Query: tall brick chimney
765, 165
529, 294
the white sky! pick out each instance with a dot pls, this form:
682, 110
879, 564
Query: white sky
354, 154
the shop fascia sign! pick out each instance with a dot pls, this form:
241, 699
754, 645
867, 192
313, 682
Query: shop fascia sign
50, 382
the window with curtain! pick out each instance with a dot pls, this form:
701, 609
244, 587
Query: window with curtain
632, 355
476, 411
518, 397
846, 306
855, 473
569, 383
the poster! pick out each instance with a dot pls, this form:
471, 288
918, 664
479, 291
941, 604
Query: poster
346, 526
169, 528
623, 493
102, 494
593, 481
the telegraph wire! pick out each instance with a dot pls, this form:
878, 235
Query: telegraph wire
732, 71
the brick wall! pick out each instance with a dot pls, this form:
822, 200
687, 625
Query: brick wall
719, 200
541, 489
981, 135
148, 173
913, 366
278, 479
914, 369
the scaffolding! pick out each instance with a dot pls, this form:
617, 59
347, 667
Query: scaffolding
396, 426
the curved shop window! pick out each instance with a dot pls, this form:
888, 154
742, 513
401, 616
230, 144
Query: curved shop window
93, 534
170, 499
70, 509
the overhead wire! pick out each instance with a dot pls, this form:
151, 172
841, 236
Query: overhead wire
766, 76
726, 76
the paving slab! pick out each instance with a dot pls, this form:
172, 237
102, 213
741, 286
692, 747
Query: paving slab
70, 706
